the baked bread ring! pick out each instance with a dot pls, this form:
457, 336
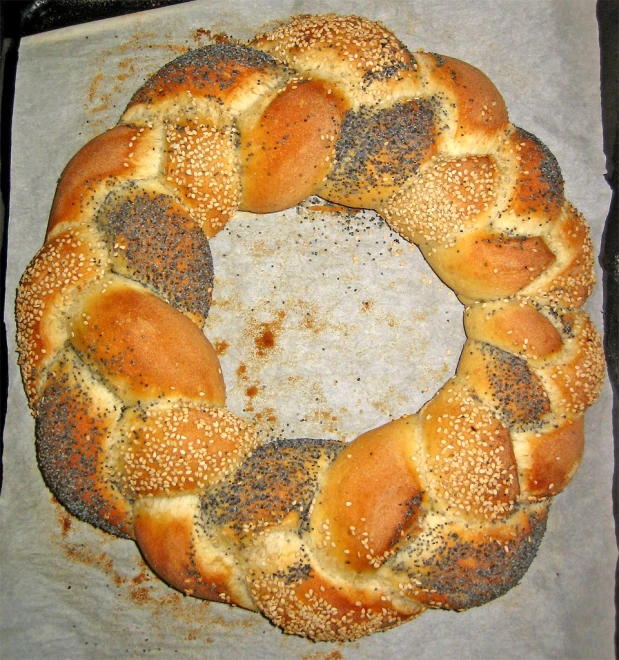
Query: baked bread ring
442, 508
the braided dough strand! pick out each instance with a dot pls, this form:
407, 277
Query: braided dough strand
443, 508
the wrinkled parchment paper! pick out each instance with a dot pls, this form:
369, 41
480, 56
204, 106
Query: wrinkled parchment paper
326, 326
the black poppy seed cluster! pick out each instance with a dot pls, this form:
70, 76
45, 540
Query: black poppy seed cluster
278, 479
381, 148
501, 564
151, 242
547, 171
520, 398
201, 67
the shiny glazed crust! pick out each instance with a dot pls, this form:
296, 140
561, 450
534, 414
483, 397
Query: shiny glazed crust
442, 508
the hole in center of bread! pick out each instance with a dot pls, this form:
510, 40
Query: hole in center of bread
327, 324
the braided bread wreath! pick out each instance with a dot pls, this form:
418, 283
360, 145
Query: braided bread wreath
443, 508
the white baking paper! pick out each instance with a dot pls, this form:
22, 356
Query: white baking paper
327, 326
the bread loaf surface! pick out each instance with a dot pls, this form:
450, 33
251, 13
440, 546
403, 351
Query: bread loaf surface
442, 508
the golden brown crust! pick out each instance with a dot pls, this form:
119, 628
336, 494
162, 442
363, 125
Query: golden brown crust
443, 508
537, 195
302, 599
144, 348
316, 608
290, 147
122, 153
574, 379
570, 282
180, 449
370, 500
202, 169
505, 383
54, 279
515, 326
447, 198
229, 73
483, 265
552, 458
481, 109
362, 58
470, 467
165, 532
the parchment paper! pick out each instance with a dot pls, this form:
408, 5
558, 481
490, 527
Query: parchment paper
326, 326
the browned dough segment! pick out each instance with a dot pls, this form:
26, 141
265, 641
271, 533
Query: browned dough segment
145, 349
76, 425
371, 498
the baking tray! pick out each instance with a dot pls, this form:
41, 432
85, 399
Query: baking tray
19, 19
